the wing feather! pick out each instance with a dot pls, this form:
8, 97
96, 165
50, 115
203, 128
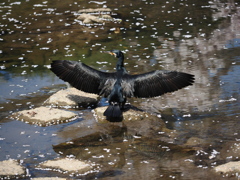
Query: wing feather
157, 82
145, 85
82, 77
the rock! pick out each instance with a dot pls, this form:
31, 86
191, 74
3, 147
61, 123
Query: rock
97, 10
72, 97
88, 18
128, 115
229, 168
11, 169
110, 141
48, 178
199, 144
230, 151
98, 15
139, 122
44, 116
67, 165
194, 141
106, 17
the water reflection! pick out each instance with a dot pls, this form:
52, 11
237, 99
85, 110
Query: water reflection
204, 58
199, 37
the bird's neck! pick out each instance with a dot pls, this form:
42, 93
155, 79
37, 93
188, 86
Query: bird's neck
120, 69
120, 64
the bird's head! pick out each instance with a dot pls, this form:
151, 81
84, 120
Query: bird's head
116, 53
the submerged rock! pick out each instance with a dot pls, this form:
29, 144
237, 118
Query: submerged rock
229, 168
230, 151
195, 141
44, 116
72, 97
139, 122
11, 169
97, 10
48, 178
107, 143
98, 15
89, 19
134, 122
67, 165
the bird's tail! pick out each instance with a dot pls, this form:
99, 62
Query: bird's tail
113, 111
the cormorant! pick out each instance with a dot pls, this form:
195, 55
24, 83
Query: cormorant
119, 85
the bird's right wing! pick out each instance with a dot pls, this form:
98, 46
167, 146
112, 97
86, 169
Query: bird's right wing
156, 83
82, 77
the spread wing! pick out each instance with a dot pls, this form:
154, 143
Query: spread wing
145, 85
157, 82
83, 77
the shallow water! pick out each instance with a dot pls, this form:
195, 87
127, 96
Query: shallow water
199, 37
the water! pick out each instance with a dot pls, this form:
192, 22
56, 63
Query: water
199, 37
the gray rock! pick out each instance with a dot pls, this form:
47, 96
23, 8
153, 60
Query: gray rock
72, 97
89, 19
230, 168
48, 178
98, 15
97, 10
44, 116
11, 169
67, 165
128, 115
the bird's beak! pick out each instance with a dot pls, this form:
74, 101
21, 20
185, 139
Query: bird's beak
110, 52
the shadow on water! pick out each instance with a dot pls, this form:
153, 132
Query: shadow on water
199, 125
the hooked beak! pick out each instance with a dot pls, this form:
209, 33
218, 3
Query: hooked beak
110, 52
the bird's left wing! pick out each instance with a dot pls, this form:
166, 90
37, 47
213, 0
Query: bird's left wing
156, 83
81, 76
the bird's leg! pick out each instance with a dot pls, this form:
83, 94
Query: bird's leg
122, 106
123, 103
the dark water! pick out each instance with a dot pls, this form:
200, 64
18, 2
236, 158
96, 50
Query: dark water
199, 37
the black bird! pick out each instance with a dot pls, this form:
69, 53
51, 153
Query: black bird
119, 85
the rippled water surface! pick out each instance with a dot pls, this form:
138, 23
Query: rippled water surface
198, 37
